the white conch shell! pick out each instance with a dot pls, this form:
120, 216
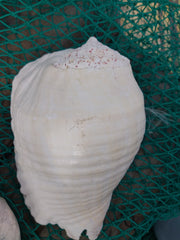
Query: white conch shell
9, 228
78, 120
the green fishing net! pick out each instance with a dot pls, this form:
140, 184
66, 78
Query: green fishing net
147, 32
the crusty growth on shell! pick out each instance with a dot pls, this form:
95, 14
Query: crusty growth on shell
93, 54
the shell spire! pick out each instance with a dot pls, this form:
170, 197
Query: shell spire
92, 54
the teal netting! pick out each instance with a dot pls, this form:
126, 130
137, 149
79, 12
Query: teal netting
147, 32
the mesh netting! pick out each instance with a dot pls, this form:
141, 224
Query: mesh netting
147, 32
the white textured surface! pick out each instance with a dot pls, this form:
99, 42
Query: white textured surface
93, 54
77, 130
9, 228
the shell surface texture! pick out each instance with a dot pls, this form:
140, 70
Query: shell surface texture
78, 121
9, 228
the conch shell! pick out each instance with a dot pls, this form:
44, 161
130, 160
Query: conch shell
78, 121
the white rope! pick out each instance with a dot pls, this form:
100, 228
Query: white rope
156, 118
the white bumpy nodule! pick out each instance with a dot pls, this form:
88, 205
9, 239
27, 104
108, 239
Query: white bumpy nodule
78, 120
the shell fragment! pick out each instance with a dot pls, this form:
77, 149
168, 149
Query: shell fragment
9, 228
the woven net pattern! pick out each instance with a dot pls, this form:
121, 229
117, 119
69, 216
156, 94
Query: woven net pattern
147, 32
